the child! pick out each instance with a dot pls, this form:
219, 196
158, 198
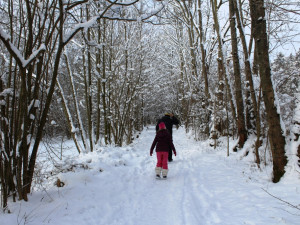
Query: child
162, 141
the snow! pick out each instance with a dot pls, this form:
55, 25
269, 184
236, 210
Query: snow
29, 138
117, 185
17, 52
34, 55
294, 142
7, 91
78, 26
4, 35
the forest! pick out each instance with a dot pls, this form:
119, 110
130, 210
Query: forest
99, 71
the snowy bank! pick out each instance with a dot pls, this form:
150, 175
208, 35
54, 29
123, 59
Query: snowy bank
116, 186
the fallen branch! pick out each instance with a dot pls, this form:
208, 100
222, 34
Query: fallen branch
289, 204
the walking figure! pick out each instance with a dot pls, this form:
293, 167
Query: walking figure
163, 142
169, 120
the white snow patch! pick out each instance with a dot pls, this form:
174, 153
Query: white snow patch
116, 186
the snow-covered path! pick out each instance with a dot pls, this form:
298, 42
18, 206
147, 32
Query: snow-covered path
202, 188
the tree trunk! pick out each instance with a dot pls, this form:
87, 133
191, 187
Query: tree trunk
221, 60
75, 99
203, 52
89, 103
219, 125
98, 124
296, 127
103, 93
242, 132
248, 72
252, 106
277, 140
221, 71
68, 116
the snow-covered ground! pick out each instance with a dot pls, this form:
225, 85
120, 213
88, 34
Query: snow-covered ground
117, 186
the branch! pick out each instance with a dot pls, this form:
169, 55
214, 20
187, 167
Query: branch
34, 55
295, 11
153, 13
78, 27
289, 204
111, 2
14, 51
87, 24
142, 18
75, 4
124, 4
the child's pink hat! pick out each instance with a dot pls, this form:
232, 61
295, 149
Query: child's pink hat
162, 125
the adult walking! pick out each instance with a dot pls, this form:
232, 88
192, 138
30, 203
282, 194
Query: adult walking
169, 120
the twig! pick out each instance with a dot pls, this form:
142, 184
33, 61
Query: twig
52, 212
289, 204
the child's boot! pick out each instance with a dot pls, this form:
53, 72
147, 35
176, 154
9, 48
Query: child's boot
157, 171
164, 173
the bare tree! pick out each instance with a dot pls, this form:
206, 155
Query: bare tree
43, 30
277, 140
203, 50
249, 85
242, 132
222, 71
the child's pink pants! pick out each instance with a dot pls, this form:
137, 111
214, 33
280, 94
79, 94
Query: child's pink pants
162, 160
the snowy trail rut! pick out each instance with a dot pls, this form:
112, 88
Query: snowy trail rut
203, 188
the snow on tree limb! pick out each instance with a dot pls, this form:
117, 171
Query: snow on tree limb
93, 20
143, 18
15, 52
123, 3
85, 25
78, 27
4, 35
34, 55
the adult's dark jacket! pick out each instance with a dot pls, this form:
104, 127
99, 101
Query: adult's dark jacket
169, 122
162, 141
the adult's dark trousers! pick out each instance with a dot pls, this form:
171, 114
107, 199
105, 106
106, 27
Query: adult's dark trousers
170, 155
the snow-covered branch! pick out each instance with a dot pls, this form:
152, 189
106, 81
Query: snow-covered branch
142, 18
85, 25
93, 20
72, 5
78, 27
123, 3
15, 52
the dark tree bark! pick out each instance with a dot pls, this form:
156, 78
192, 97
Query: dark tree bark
251, 105
277, 140
242, 132
203, 52
298, 154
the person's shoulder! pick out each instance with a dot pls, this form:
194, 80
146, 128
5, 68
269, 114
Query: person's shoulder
166, 117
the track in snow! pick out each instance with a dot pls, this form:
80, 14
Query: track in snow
202, 188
